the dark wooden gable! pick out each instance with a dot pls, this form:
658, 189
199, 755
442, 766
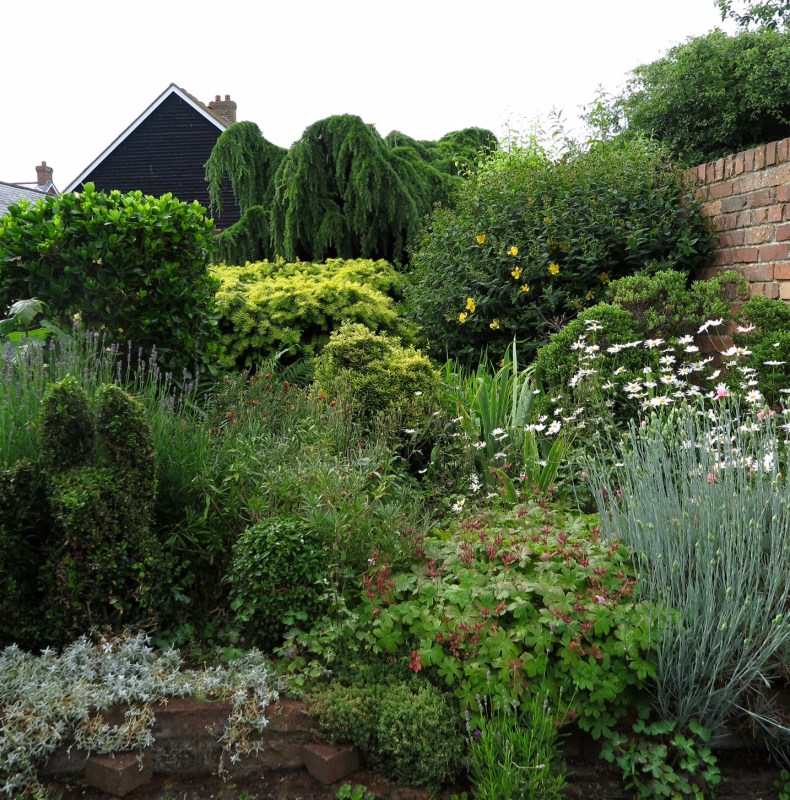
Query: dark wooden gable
165, 153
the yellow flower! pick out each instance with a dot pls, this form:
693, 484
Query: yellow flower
590, 295
525, 288
604, 277
516, 273
554, 268
494, 325
547, 220
470, 305
513, 251
462, 317
480, 238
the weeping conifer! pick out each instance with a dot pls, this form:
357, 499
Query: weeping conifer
340, 191
245, 158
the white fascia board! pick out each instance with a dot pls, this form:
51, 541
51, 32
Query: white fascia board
172, 89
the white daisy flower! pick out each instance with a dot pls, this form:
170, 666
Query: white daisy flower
711, 323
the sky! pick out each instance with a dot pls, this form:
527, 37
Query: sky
77, 74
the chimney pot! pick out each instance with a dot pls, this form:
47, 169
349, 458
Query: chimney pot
217, 98
224, 108
43, 174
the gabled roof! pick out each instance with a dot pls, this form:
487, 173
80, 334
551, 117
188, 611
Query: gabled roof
215, 119
11, 193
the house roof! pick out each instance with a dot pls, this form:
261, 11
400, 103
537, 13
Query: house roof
11, 193
215, 119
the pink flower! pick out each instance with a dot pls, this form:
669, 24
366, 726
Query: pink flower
416, 662
722, 391
711, 478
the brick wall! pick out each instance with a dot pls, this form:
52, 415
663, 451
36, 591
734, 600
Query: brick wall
747, 197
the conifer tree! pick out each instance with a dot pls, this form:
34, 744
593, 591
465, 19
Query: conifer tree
249, 161
340, 191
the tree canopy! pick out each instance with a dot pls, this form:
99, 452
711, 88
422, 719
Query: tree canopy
773, 14
709, 97
341, 190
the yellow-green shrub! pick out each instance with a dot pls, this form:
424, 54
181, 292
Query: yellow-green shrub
376, 373
268, 307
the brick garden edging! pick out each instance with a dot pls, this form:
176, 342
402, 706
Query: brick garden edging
187, 733
186, 740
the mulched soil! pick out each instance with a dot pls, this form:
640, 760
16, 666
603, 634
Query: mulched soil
744, 779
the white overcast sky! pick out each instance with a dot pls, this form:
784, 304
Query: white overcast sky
77, 73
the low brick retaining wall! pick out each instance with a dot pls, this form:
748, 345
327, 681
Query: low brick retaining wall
186, 740
187, 745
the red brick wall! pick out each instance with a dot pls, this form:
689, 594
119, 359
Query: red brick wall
747, 197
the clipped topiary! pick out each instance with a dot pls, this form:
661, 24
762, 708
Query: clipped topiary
376, 373
278, 573
411, 731
24, 536
103, 558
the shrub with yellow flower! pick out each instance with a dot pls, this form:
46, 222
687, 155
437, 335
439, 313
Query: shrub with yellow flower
494, 325
480, 238
512, 251
554, 268
463, 317
516, 273
525, 288
470, 305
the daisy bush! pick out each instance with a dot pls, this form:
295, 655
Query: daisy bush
694, 482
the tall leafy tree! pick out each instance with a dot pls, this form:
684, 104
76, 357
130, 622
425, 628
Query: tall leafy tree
712, 96
773, 14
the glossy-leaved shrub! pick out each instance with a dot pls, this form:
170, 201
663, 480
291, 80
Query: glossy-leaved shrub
269, 307
532, 240
278, 575
132, 265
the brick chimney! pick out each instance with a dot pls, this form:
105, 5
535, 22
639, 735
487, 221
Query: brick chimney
224, 108
44, 175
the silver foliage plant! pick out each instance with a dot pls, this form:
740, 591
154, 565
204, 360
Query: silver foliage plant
53, 699
699, 493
